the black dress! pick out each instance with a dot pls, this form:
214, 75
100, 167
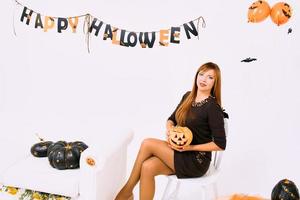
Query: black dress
206, 121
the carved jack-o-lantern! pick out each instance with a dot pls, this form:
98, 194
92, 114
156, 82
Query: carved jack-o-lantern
180, 136
258, 11
281, 12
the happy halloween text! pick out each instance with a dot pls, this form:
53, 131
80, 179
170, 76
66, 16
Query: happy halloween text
117, 36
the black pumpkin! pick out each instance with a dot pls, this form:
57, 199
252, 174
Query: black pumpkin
40, 149
64, 155
285, 189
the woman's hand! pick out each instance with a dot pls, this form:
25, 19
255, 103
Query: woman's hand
169, 129
181, 149
167, 135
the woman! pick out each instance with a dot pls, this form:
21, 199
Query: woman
200, 111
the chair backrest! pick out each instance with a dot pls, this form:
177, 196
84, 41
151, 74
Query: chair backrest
217, 155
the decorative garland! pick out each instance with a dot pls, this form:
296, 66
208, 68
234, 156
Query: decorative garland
122, 37
26, 194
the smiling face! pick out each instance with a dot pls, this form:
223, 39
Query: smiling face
206, 80
180, 136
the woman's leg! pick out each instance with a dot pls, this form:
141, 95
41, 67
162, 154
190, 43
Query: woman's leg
150, 147
151, 168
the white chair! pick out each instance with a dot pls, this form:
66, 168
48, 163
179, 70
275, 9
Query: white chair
209, 179
100, 181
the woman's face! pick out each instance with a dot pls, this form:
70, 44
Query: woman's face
206, 80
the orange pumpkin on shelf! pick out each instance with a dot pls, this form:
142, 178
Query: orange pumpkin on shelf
258, 11
90, 161
180, 136
281, 12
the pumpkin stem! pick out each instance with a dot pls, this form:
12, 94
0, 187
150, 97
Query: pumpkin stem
41, 139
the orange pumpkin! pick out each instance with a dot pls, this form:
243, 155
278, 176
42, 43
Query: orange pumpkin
258, 11
90, 161
281, 12
180, 136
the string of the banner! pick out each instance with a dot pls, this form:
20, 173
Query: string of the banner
54, 17
13, 24
86, 31
203, 24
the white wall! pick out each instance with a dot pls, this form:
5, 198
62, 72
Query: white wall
50, 85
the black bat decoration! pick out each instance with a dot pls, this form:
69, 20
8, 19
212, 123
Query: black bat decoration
290, 30
249, 59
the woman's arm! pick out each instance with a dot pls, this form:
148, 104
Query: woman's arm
210, 146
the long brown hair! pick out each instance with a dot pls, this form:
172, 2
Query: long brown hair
215, 92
